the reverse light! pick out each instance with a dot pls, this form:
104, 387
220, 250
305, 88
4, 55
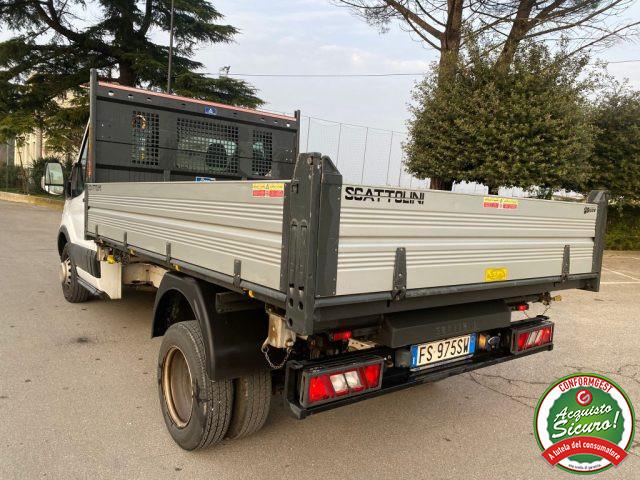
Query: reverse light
323, 384
526, 338
353, 380
339, 383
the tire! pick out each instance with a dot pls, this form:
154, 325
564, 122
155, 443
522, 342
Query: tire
196, 410
73, 292
251, 405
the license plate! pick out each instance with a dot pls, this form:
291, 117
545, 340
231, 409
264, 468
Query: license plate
427, 354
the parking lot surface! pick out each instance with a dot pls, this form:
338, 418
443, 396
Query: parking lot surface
78, 395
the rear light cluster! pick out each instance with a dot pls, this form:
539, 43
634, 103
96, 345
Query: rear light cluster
323, 385
531, 337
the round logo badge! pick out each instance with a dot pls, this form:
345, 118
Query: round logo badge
584, 423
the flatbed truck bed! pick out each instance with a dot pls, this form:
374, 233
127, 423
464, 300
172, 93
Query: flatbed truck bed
272, 273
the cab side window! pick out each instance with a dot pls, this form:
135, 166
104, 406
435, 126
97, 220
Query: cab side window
77, 173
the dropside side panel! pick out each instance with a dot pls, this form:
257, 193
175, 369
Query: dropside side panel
211, 225
457, 239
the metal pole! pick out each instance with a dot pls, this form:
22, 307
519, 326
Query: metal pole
400, 172
339, 137
7, 171
364, 156
170, 50
389, 161
308, 130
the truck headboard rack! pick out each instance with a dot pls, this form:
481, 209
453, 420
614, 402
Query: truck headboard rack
142, 136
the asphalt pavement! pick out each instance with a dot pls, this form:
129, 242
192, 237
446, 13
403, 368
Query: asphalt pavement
78, 396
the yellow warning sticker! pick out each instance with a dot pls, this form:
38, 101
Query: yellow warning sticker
496, 274
271, 190
501, 203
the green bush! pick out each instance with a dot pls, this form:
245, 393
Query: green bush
10, 177
36, 172
623, 228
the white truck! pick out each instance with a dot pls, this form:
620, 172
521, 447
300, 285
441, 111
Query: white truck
273, 275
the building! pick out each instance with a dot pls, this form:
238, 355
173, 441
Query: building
7, 151
31, 148
33, 145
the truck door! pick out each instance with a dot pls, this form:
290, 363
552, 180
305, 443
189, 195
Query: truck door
73, 214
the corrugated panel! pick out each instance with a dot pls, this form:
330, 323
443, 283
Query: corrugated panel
207, 224
452, 239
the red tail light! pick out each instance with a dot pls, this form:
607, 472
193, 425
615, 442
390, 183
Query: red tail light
319, 389
320, 385
529, 337
372, 374
335, 336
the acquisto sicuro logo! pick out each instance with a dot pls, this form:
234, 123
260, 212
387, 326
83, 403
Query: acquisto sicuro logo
584, 423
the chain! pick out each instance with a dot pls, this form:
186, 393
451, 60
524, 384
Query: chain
265, 350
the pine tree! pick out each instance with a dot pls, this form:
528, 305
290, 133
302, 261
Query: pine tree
57, 42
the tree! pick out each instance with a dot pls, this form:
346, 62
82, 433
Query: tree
57, 42
615, 161
524, 127
447, 26
583, 23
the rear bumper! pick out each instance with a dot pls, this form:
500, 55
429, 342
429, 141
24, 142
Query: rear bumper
394, 379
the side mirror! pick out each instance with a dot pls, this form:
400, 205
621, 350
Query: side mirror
52, 181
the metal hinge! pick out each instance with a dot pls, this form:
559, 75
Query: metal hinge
399, 290
237, 273
566, 262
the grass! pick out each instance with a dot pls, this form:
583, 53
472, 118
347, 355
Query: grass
20, 191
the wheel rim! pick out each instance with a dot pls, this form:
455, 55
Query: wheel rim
176, 387
65, 272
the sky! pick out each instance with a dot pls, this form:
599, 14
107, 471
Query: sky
316, 37
319, 37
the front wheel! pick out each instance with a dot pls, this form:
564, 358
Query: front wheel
196, 410
71, 289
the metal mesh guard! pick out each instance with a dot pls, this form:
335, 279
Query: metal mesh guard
207, 146
145, 137
262, 152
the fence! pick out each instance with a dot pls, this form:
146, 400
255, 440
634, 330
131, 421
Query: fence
362, 154
375, 156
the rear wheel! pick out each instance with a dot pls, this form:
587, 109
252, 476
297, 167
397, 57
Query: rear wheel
73, 292
196, 410
252, 401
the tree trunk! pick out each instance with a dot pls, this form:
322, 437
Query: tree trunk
438, 183
128, 76
448, 63
451, 40
519, 29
